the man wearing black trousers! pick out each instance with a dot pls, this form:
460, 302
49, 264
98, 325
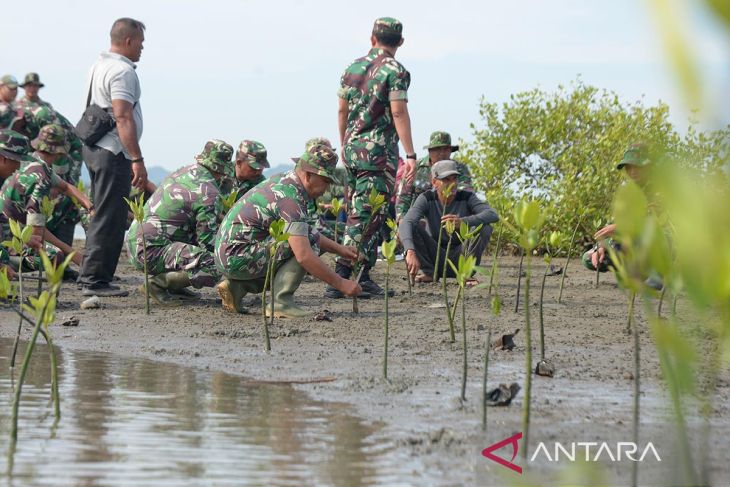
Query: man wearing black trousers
115, 162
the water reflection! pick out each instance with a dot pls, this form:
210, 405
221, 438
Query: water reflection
146, 423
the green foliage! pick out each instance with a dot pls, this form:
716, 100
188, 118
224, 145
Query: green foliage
335, 206
562, 148
388, 249
136, 206
8, 289
228, 201
21, 237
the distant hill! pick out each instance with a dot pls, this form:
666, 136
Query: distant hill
154, 173
278, 169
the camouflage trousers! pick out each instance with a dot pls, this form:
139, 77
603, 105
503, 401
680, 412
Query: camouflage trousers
196, 261
246, 261
362, 225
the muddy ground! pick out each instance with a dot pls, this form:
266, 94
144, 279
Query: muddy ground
589, 399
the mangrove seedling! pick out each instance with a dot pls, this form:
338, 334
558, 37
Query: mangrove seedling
496, 308
136, 206
450, 227
567, 259
519, 280
18, 244
446, 192
494, 261
597, 224
228, 201
388, 249
544, 367
394, 236
278, 237
463, 272
47, 211
376, 201
335, 207
529, 220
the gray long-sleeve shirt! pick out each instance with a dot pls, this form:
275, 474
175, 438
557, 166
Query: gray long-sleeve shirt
466, 205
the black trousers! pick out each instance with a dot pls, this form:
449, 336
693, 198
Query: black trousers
65, 233
111, 180
425, 247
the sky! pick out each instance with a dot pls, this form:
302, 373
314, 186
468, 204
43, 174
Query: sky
269, 70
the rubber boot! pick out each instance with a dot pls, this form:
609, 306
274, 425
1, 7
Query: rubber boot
232, 291
176, 283
158, 291
286, 281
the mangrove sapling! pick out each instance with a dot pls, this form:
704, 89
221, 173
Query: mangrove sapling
18, 244
529, 220
450, 227
567, 259
394, 236
519, 280
136, 206
388, 249
446, 194
228, 201
278, 237
496, 308
376, 201
494, 261
47, 211
598, 264
544, 367
335, 207
463, 272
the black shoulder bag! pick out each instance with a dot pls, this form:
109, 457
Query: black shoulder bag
95, 121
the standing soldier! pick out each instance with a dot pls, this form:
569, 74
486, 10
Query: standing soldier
372, 117
439, 149
243, 240
8, 92
31, 85
180, 222
251, 161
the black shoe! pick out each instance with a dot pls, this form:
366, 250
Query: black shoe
103, 290
70, 275
333, 293
372, 288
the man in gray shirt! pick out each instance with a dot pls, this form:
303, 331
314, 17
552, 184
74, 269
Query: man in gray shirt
115, 160
419, 228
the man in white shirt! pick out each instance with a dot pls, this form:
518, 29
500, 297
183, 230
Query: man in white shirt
116, 159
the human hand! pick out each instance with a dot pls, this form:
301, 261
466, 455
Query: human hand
348, 252
454, 218
350, 288
139, 175
35, 242
412, 263
598, 256
604, 232
409, 173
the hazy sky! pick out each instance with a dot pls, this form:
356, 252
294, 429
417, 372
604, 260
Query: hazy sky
269, 70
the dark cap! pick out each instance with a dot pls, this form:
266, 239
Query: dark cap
636, 155
444, 169
14, 146
32, 79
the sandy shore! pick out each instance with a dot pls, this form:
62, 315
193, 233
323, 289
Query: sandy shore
589, 399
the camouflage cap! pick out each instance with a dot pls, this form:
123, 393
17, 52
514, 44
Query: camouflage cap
387, 26
217, 156
254, 153
32, 79
9, 81
51, 138
315, 141
14, 146
440, 139
636, 155
319, 159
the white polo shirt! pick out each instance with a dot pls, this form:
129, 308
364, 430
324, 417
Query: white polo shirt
115, 78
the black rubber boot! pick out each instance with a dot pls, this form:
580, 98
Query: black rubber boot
344, 272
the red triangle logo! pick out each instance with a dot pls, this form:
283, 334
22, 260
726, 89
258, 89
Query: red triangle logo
487, 452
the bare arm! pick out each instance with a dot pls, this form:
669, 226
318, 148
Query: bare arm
328, 245
402, 121
342, 112
53, 240
314, 265
73, 192
124, 115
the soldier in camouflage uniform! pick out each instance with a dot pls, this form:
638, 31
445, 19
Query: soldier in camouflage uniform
439, 149
250, 164
8, 92
23, 192
180, 223
32, 84
372, 117
243, 240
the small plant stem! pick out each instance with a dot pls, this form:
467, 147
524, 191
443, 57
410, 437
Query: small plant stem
54, 378
567, 260
630, 321
267, 342
40, 264
449, 315
272, 276
438, 247
661, 301
355, 307
336, 217
385, 348
637, 385
410, 286
494, 260
484, 381
519, 280
463, 336
675, 297
20, 321
542, 322
528, 363
146, 276
598, 274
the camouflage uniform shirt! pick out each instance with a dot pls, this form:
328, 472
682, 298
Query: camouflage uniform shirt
7, 114
407, 194
244, 187
21, 194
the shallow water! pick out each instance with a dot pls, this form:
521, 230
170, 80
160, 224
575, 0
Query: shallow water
147, 423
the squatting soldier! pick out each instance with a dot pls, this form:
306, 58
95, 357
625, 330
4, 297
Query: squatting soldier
241, 246
180, 223
22, 193
32, 84
372, 117
439, 149
251, 161
8, 92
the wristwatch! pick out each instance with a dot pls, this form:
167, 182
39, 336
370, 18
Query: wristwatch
138, 159
412, 156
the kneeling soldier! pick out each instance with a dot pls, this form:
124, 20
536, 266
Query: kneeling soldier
241, 246
180, 222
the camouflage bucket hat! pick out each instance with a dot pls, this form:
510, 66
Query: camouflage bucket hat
440, 139
217, 156
388, 26
51, 138
254, 153
319, 159
14, 146
636, 155
315, 141
9, 81
32, 79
